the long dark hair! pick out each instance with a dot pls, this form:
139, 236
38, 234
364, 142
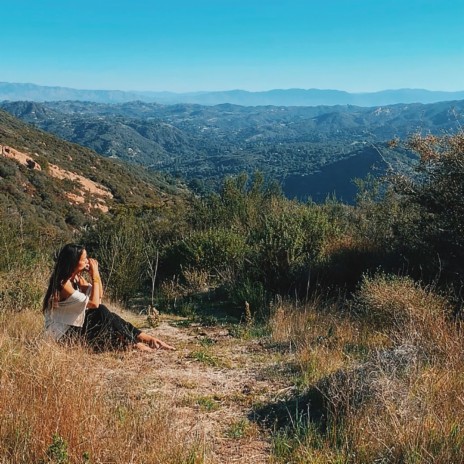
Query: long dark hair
66, 263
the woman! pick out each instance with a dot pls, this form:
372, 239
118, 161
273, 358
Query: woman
73, 309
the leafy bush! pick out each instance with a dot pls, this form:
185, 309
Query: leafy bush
252, 292
26, 251
214, 251
431, 229
288, 243
120, 244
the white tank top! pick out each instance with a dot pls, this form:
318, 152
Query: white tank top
69, 312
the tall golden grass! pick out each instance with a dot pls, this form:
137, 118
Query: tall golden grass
56, 408
398, 342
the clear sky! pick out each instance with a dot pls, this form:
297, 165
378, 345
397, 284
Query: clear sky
191, 45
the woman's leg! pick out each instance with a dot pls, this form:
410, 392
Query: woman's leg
104, 329
130, 333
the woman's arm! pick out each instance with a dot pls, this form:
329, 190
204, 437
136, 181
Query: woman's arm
84, 285
97, 288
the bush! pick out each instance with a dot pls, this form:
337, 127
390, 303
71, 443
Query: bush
252, 292
407, 312
214, 251
123, 244
288, 243
431, 230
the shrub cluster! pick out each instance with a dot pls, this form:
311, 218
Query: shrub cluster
248, 240
253, 243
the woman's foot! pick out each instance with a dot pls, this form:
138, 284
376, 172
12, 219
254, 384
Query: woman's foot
142, 347
153, 342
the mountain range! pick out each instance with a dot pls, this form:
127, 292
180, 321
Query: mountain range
312, 151
277, 97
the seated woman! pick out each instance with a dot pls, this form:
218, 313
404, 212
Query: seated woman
73, 309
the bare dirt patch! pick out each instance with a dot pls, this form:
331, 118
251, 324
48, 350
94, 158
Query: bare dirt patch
99, 192
20, 157
212, 381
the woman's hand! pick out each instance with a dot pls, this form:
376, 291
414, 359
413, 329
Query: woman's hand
93, 267
160, 345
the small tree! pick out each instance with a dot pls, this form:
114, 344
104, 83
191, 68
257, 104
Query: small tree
433, 229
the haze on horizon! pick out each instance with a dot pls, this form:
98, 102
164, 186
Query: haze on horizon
208, 45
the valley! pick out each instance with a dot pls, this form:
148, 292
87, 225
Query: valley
300, 147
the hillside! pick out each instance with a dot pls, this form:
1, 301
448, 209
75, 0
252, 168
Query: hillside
303, 332
63, 185
205, 143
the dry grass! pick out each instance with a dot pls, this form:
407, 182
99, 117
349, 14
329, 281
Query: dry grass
21, 288
57, 406
391, 376
196, 280
390, 373
323, 339
408, 314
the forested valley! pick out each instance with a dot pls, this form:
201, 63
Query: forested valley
313, 152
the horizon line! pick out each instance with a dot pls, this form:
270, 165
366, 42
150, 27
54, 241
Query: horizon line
234, 89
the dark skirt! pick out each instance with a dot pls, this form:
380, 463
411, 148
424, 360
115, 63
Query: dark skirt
104, 330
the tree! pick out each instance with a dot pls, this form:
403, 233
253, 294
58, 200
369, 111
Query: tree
434, 200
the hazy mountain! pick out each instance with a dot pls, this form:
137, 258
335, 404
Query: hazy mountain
278, 97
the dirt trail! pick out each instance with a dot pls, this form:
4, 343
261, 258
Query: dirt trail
213, 380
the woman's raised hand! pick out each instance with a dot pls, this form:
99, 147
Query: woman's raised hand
93, 266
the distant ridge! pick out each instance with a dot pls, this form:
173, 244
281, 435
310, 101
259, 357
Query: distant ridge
276, 97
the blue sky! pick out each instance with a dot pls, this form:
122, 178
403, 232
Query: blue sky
180, 46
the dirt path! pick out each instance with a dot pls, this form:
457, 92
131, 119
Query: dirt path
213, 380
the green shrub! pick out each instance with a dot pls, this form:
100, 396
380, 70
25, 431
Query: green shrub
126, 246
57, 452
215, 251
252, 292
430, 231
288, 243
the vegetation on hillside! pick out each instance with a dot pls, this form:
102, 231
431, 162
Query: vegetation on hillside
312, 151
42, 198
367, 296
